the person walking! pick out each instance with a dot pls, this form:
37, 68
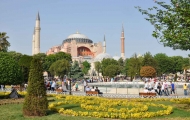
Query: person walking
185, 89
85, 84
172, 88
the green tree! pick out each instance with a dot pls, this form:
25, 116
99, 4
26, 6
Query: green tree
149, 60
42, 57
98, 67
50, 59
85, 67
11, 73
163, 62
133, 66
15, 55
4, 44
24, 62
63, 55
35, 103
171, 22
121, 64
76, 72
106, 62
112, 70
60, 68
177, 64
148, 71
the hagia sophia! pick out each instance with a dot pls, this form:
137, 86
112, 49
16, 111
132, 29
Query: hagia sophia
79, 46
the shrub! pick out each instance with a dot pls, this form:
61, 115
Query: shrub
35, 103
147, 71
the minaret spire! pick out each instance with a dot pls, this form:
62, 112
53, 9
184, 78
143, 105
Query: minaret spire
122, 43
38, 16
37, 35
104, 44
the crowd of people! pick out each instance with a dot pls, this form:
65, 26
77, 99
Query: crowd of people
163, 88
64, 84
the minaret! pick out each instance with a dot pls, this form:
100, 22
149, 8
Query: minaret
122, 43
104, 45
33, 42
37, 35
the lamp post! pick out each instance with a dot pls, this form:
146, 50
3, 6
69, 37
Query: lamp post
70, 81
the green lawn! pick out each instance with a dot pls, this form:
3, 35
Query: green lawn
14, 112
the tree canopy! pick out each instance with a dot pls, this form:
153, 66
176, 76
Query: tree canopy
171, 22
4, 43
85, 67
60, 68
10, 70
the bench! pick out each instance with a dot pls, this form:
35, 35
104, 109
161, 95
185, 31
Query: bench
147, 94
59, 91
91, 93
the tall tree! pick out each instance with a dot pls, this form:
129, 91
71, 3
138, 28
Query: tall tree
171, 22
164, 63
106, 62
149, 60
11, 73
112, 70
76, 72
133, 66
85, 67
98, 67
35, 103
121, 64
4, 44
60, 68
24, 62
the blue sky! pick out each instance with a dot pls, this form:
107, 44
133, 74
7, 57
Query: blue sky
93, 18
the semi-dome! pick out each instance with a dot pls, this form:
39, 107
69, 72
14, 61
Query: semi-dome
77, 35
116, 58
101, 56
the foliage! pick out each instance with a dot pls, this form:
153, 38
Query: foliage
121, 64
41, 56
11, 73
85, 67
50, 59
164, 64
177, 63
106, 62
171, 23
24, 62
15, 55
76, 72
149, 60
98, 67
147, 71
133, 66
112, 70
60, 68
35, 103
4, 44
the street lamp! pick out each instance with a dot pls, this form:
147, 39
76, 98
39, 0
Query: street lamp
70, 80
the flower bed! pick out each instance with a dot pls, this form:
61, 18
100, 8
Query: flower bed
110, 108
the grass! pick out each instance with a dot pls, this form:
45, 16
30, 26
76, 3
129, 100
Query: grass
14, 112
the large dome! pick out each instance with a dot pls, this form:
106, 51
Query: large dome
101, 56
79, 38
77, 35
